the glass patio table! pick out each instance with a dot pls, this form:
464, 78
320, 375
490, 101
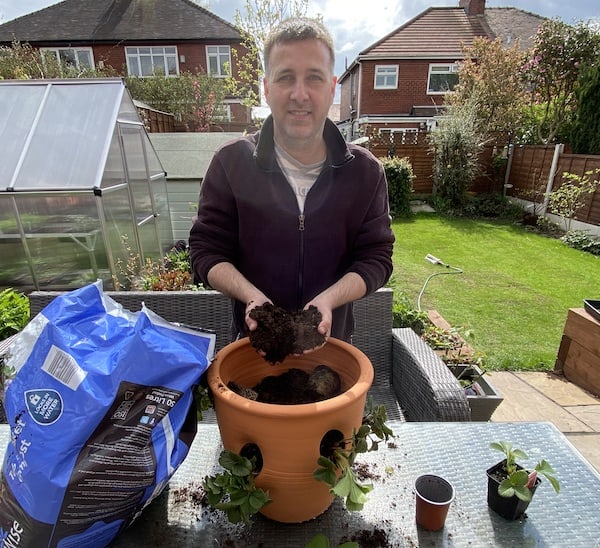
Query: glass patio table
458, 451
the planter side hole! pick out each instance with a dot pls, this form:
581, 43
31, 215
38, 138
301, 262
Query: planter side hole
329, 442
252, 451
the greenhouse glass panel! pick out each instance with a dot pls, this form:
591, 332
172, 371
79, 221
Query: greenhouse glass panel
163, 219
15, 266
68, 146
61, 236
19, 107
114, 170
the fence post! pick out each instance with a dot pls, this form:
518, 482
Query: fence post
510, 150
558, 150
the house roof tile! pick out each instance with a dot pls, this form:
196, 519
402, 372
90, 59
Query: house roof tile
510, 24
118, 20
441, 32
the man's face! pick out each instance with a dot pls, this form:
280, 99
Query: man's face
299, 89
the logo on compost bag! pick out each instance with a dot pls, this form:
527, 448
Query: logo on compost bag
45, 406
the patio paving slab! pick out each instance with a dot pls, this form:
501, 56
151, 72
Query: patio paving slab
546, 396
524, 402
588, 414
558, 388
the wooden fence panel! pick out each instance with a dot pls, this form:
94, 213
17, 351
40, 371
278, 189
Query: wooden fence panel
530, 170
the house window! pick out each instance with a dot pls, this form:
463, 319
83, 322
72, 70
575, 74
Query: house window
148, 61
222, 113
386, 77
80, 58
442, 78
218, 61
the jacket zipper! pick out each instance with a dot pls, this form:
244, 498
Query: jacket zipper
301, 262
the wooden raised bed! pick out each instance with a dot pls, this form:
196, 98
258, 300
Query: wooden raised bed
579, 352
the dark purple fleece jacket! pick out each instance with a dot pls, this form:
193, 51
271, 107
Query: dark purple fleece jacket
248, 215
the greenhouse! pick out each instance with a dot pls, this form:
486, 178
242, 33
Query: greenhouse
82, 192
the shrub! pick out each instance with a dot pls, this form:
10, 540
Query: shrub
580, 239
14, 312
405, 315
192, 98
172, 273
455, 144
400, 176
491, 205
585, 132
569, 197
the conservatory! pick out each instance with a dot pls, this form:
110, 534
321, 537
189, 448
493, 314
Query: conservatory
82, 192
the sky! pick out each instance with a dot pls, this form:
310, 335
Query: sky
356, 24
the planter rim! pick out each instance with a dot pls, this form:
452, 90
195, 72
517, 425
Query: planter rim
359, 388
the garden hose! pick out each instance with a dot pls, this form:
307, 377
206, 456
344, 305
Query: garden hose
434, 260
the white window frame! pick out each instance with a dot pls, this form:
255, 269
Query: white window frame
222, 55
137, 60
75, 54
222, 113
440, 68
389, 75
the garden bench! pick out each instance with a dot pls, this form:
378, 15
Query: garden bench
410, 379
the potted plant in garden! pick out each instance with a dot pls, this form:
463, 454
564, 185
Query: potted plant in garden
449, 344
289, 448
510, 486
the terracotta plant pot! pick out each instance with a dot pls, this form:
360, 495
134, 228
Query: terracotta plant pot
508, 507
288, 437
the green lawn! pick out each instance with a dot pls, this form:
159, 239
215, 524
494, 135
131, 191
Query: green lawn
515, 291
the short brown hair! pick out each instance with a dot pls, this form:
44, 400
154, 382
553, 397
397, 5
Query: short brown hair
295, 29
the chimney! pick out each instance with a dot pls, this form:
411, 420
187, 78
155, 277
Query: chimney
472, 7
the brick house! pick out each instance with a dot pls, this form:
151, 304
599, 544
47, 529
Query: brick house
398, 83
136, 37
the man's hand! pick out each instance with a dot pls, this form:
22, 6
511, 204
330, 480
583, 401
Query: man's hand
259, 300
324, 327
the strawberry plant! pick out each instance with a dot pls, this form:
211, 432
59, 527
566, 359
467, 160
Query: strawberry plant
337, 471
234, 490
519, 481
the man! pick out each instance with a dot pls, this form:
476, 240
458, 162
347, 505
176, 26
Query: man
294, 215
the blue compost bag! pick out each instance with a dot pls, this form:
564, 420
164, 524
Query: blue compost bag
101, 414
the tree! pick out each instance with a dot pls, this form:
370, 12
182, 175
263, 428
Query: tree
558, 54
260, 17
455, 144
585, 133
500, 107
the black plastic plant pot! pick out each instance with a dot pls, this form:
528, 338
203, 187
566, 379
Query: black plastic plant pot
508, 507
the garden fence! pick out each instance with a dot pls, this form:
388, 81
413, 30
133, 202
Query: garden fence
529, 172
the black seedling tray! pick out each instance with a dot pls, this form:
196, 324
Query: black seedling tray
593, 308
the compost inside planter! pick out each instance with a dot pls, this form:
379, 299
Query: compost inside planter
294, 386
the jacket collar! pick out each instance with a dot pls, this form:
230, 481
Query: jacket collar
338, 152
